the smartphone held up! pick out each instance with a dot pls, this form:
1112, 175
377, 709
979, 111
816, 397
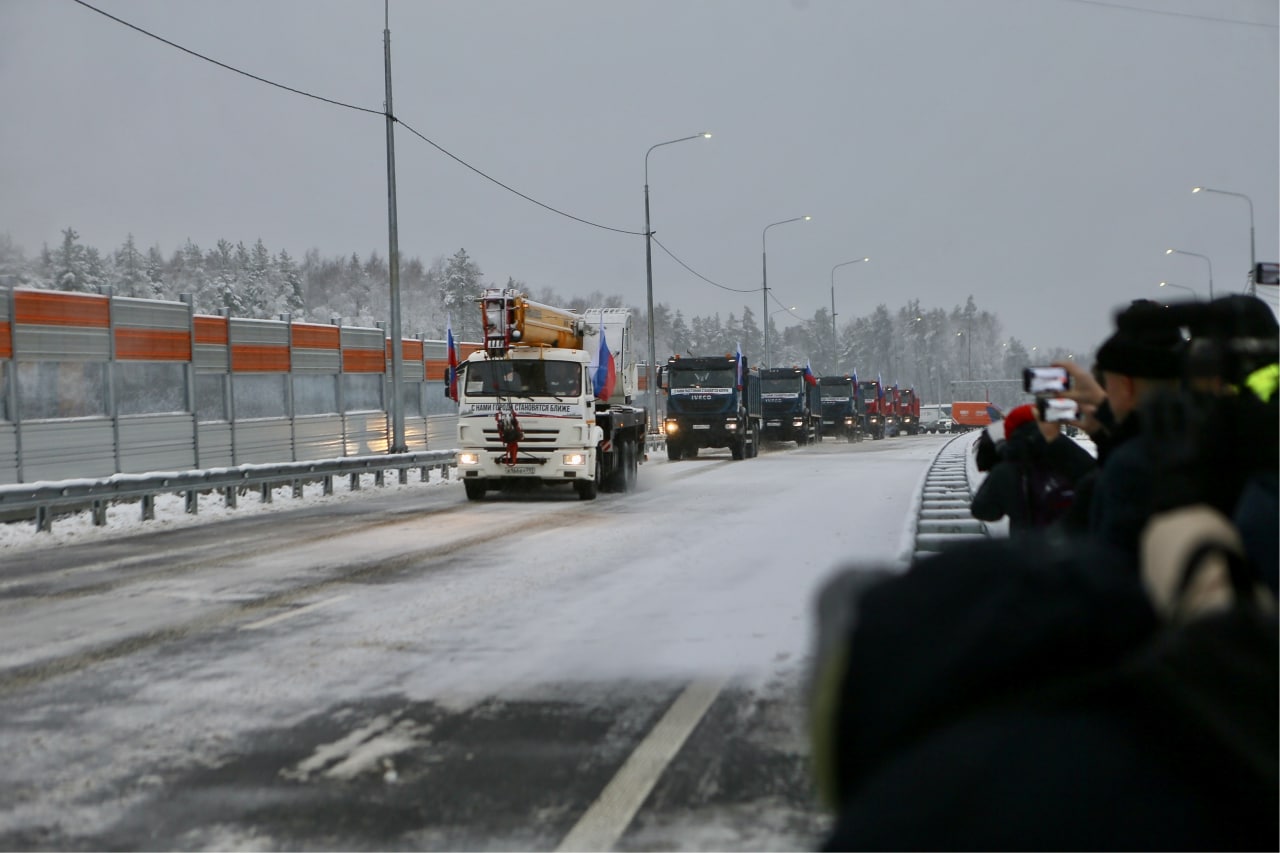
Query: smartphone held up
1053, 410
1045, 380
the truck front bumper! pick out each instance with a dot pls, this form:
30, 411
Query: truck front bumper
561, 464
710, 431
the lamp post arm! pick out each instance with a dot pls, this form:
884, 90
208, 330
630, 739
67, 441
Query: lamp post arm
1253, 254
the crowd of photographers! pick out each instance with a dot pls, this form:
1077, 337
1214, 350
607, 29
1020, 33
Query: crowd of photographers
1106, 677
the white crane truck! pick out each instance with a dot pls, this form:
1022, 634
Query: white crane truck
547, 401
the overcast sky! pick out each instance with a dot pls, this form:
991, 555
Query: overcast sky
1037, 154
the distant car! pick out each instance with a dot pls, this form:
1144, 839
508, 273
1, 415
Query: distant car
945, 425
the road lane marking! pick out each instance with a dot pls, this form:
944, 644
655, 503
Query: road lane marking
603, 823
289, 614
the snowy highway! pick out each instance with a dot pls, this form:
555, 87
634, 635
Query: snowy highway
408, 670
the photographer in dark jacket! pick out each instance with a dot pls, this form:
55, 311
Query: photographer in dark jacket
1135, 363
1034, 481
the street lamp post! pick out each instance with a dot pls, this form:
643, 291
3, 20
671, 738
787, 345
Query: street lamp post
764, 262
1195, 255
1253, 257
1194, 295
651, 374
834, 342
769, 317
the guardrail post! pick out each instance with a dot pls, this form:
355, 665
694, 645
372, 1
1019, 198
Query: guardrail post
355, 482
267, 493
99, 513
193, 502
230, 496
148, 507
328, 485
297, 488
404, 476
378, 479
44, 519
426, 473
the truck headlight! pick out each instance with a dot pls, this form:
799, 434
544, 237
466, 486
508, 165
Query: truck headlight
731, 425
848, 421
797, 421
672, 427
468, 458
576, 459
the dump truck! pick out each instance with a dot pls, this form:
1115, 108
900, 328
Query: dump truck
840, 407
874, 407
712, 401
548, 400
792, 405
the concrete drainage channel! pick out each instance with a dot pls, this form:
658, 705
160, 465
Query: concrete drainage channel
944, 507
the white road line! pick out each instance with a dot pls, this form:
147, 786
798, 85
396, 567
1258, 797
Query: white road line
289, 614
603, 823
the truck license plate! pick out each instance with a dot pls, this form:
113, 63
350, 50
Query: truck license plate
702, 426
520, 469
773, 423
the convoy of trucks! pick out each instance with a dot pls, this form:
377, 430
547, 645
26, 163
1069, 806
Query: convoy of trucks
792, 405
841, 413
712, 401
548, 400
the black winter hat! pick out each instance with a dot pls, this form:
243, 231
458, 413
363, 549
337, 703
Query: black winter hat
1148, 351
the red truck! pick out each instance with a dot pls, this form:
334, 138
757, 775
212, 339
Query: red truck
874, 408
908, 405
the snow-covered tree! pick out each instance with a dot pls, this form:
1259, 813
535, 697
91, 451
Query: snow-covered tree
459, 290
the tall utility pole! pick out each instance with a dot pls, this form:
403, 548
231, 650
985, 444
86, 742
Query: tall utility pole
652, 371
1253, 253
835, 344
396, 404
764, 275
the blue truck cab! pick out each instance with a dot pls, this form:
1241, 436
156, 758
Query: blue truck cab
712, 401
792, 406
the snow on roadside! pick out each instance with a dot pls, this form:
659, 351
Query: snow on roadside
125, 517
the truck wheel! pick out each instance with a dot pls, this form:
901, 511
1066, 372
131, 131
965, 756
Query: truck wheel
475, 489
588, 489
739, 448
691, 452
673, 451
630, 467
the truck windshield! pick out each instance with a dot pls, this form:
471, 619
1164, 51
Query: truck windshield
789, 385
718, 377
523, 378
842, 390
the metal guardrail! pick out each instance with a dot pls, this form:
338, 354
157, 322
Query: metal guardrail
944, 518
43, 500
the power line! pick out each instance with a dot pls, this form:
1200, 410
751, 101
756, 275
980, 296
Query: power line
700, 275
1169, 13
187, 50
786, 308
509, 189
380, 113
